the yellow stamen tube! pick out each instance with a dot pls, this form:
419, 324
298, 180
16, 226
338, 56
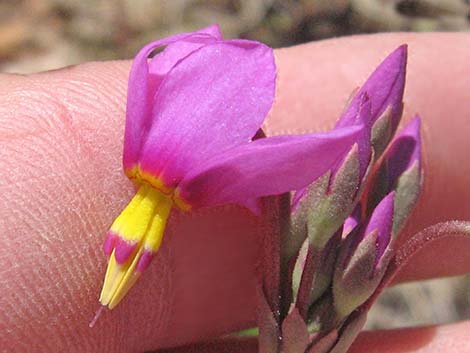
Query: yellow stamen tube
133, 239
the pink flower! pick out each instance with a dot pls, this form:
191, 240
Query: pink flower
192, 112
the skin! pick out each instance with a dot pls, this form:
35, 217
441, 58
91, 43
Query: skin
62, 185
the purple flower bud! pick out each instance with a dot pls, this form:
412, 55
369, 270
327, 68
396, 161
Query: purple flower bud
405, 175
385, 89
401, 172
382, 94
363, 259
404, 151
381, 222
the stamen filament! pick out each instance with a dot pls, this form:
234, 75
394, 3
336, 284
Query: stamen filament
97, 316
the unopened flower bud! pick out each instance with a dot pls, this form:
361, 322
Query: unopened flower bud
401, 172
363, 259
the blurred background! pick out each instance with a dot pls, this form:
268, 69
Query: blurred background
38, 35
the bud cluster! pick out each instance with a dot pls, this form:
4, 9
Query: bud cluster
337, 236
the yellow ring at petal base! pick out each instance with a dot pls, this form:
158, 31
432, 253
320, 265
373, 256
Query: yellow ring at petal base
138, 175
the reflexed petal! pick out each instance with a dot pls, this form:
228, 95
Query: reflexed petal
385, 88
144, 81
362, 117
213, 100
267, 166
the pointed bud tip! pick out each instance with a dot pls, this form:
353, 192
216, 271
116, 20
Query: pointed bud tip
384, 88
381, 221
386, 204
382, 213
400, 54
353, 220
393, 65
412, 128
403, 49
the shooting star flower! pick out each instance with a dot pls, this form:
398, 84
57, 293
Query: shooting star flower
192, 113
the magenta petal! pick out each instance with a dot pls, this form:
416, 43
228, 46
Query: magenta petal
164, 61
385, 88
143, 84
362, 117
213, 100
267, 166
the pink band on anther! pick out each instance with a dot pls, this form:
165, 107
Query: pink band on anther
123, 250
109, 243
